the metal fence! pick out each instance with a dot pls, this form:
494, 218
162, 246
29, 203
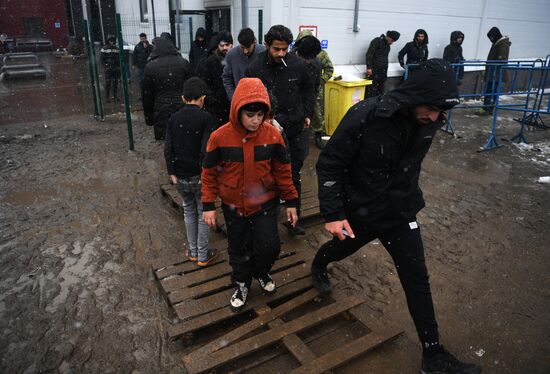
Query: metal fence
132, 27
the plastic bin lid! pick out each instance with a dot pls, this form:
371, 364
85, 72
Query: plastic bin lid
356, 83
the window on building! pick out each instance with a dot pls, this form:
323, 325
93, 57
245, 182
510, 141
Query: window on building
144, 10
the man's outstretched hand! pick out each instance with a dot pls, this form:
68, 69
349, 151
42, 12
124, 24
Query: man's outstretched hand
340, 229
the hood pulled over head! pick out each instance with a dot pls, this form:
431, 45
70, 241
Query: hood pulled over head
249, 90
494, 34
163, 46
431, 83
421, 31
455, 35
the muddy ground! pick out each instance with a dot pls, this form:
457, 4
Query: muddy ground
82, 217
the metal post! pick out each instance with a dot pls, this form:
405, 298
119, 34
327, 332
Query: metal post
260, 26
90, 67
191, 31
153, 14
356, 17
178, 38
101, 22
96, 76
244, 13
124, 83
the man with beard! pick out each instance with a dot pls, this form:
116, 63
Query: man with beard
453, 53
238, 59
287, 77
210, 71
416, 51
163, 80
377, 61
368, 189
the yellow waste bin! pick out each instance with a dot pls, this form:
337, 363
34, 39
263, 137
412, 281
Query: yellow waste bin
339, 97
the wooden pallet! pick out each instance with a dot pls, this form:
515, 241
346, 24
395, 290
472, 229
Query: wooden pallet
309, 215
200, 296
271, 328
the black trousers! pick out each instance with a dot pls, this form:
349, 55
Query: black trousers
111, 80
299, 149
490, 99
404, 244
253, 243
377, 86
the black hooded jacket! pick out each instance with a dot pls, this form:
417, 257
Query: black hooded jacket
415, 52
377, 55
453, 52
217, 101
292, 85
199, 50
369, 169
163, 80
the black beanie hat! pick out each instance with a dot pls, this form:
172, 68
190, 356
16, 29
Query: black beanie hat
193, 88
393, 34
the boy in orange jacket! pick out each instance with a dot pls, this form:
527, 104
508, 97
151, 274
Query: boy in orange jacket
248, 166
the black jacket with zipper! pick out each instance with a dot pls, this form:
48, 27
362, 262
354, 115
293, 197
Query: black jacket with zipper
369, 169
292, 85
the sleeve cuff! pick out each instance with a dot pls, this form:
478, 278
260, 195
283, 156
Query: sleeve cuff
336, 216
206, 207
291, 203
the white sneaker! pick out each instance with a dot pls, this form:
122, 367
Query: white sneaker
238, 299
267, 283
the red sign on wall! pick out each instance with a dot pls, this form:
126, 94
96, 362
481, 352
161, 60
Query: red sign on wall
313, 29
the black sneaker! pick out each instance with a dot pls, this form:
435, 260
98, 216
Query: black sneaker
296, 230
320, 280
266, 283
238, 299
445, 363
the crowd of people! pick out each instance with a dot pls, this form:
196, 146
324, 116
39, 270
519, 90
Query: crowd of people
235, 122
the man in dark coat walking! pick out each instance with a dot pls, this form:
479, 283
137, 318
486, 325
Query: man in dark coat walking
453, 53
163, 80
199, 48
142, 51
368, 188
377, 61
416, 51
287, 77
111, 66
210, 71
498, 54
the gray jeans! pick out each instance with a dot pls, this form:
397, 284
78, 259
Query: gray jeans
197, 230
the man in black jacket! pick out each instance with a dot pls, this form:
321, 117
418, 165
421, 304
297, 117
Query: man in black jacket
163, 80
287, 77
453, 53
498, 54
142, 50
416, 51
210, 71
199, 48
377, 61
111, 65
368, 188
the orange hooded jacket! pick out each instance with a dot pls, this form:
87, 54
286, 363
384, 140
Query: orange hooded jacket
249, 170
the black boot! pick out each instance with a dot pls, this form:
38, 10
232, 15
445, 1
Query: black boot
445, 363
320, 280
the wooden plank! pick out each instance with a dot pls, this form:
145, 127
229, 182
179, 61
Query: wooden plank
220, 270
294, 344
220, 300
190, 266
346, 352
198, 364
220, 315
256, 323
163, 262
209, 287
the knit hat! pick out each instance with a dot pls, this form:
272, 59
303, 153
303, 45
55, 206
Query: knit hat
394, 35
194, 88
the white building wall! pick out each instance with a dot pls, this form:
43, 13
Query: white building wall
526, 22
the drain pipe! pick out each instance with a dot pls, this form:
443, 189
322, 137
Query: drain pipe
244, 11
356, 26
